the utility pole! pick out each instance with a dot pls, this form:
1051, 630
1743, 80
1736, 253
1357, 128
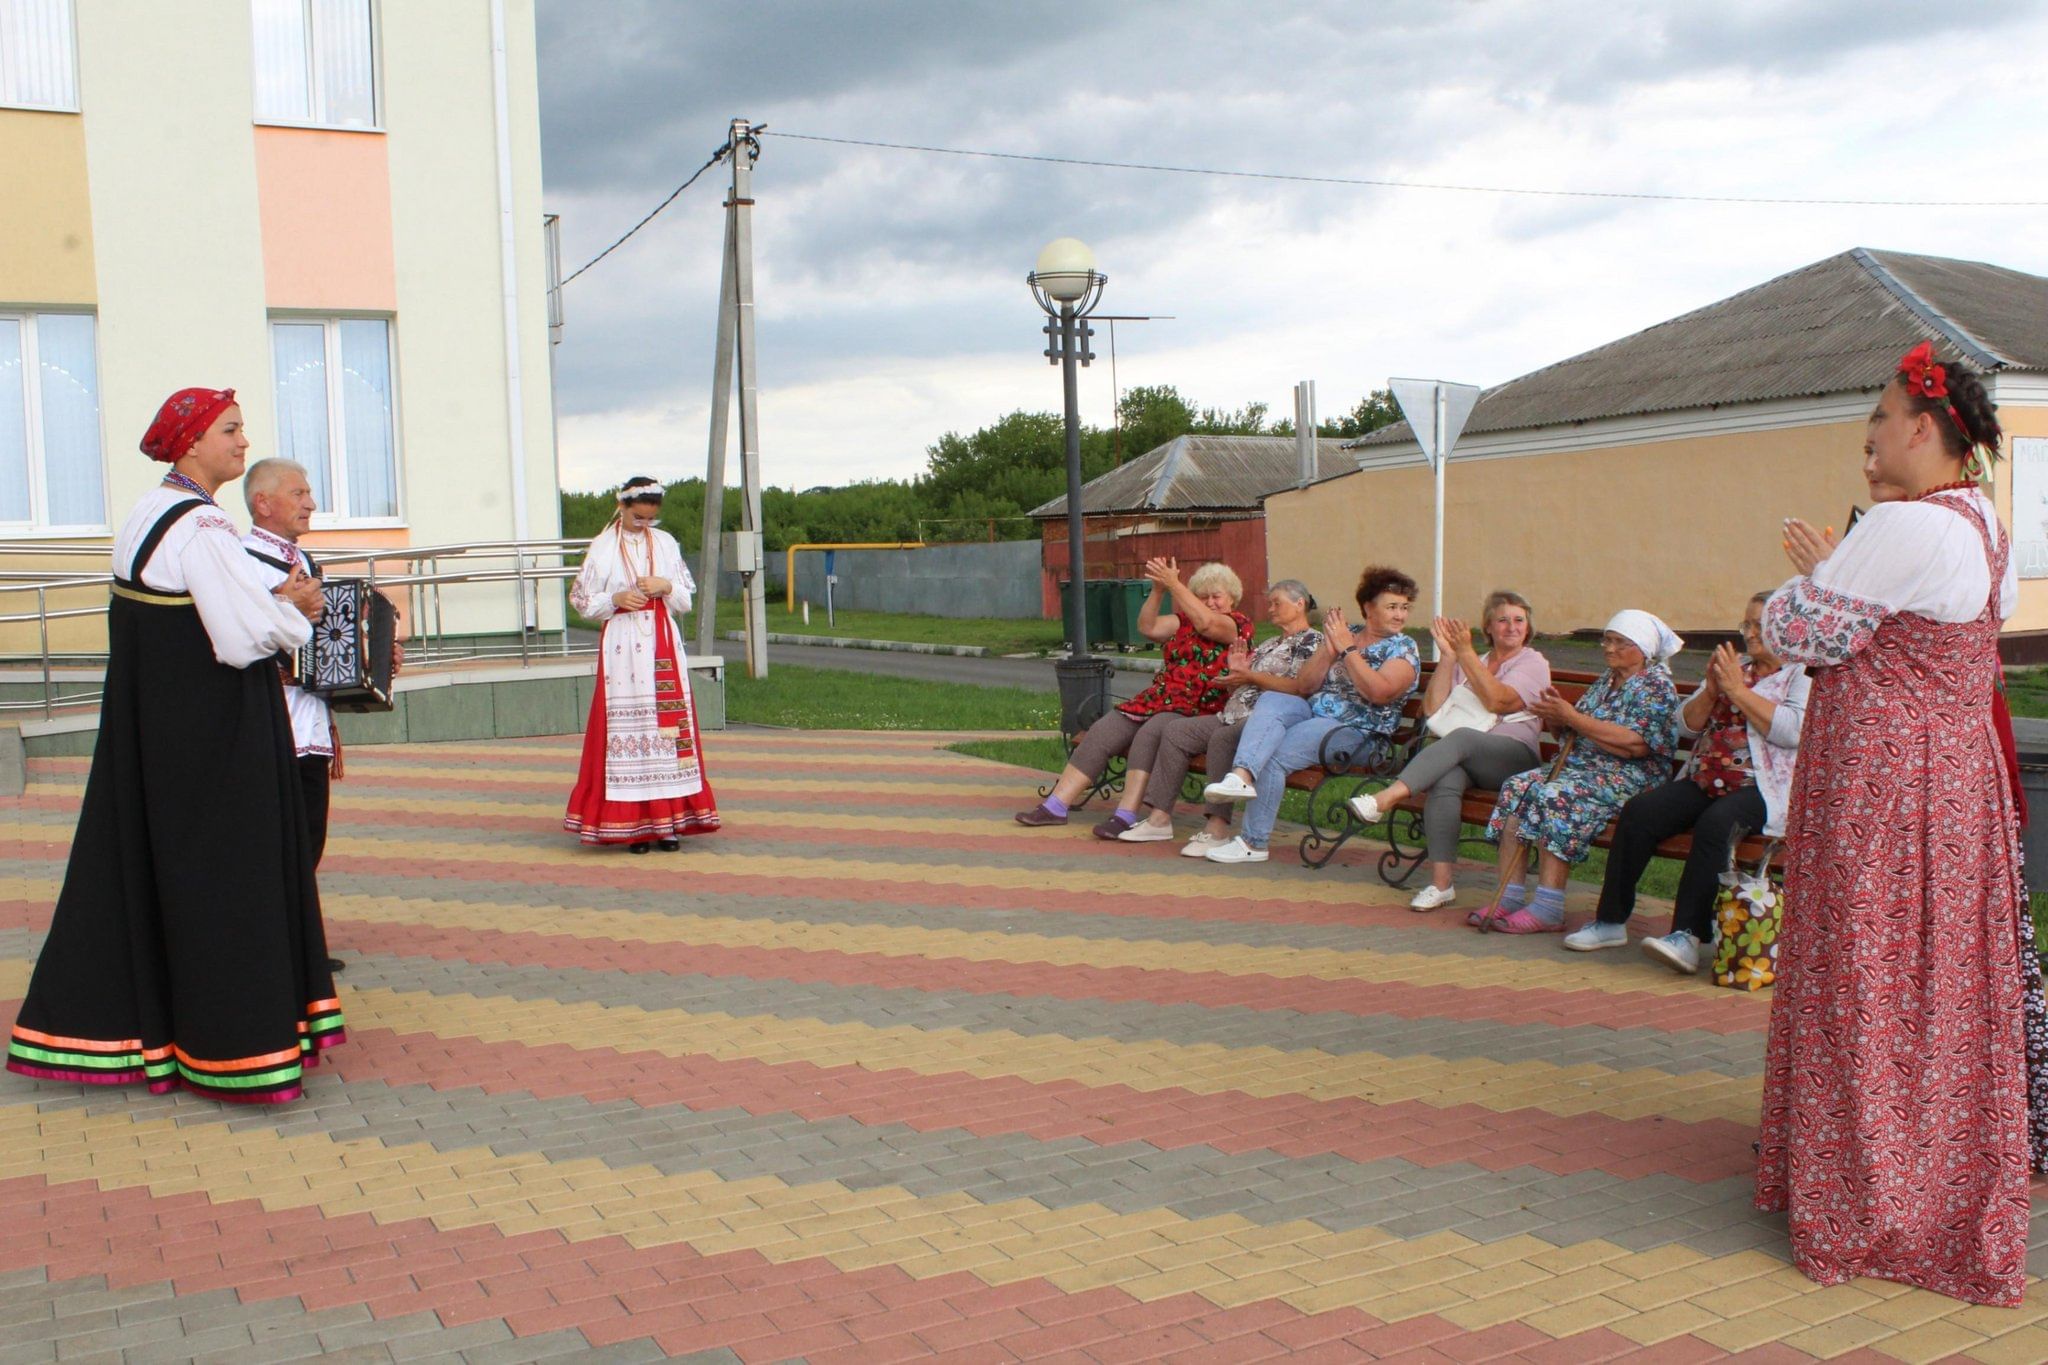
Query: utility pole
743, 549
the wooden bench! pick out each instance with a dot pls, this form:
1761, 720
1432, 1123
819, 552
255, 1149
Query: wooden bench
1330, 788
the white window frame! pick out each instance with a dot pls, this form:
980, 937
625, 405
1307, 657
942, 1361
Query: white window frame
326, 518
376, 124
38, 527
71, 42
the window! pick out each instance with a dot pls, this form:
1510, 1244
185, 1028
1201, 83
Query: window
335, 412
36, 67
50, 465
315, 62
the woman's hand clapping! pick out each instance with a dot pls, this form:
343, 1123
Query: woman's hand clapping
1164, 573
1554, 711
1237, 668
1806, 547
1724, 672
1453, 637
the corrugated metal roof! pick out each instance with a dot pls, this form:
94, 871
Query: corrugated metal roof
1836, 326
1200, 473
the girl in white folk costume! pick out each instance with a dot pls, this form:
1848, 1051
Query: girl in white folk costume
642, 781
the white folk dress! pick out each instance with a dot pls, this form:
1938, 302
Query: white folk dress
642, 776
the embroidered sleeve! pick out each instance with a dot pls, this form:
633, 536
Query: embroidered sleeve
1810, 624
243, 620
588, 594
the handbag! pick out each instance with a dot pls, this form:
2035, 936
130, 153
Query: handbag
1462, 710
1748, 913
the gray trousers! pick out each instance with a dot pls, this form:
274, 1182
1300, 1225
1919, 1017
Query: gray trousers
1107, 738
1446, 767
1163, 752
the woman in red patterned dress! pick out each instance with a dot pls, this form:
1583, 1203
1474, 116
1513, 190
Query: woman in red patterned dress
1196, 624
1903, 1101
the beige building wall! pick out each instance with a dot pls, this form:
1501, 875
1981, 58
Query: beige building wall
177, 235
451, 334
1686, 528
45, 212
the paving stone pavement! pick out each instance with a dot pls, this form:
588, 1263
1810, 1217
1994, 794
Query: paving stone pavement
849, 1084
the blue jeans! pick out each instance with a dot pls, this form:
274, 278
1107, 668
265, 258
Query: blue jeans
1284, 736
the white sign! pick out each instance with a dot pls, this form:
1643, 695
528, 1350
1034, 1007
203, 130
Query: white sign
2030, 505
1418, 399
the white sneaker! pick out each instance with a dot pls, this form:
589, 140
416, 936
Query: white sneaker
1432, 898
1231, 788
1235, 850
1145, 832
1199, 846
1678, 950
1366, 809
1597, 935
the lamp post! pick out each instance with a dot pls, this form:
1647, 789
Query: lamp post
1067, 286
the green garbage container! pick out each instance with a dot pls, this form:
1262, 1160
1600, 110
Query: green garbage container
1130, 605
1097, 602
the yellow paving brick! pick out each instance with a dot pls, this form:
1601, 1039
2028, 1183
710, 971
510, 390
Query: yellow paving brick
2026, 1346
1412, 1303
1580, 1315
1187, 1279
1930, 1341
1817, 1306
1750, 1330
1657, 1291
1565, 1260
1662, 1323
1492, 1311
1914, 1308
1839, 1336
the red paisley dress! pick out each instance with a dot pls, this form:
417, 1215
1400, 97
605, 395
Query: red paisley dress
1903, 1101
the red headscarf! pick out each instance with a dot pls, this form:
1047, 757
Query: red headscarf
182, 420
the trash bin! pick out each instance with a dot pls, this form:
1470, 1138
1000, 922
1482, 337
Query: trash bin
1098, 601
1128, 606
1084, 692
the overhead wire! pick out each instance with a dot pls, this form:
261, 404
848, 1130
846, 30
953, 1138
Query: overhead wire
716, 157
1371, 183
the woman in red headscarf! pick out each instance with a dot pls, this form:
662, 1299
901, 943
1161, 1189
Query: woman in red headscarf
1906, 1075
186, 946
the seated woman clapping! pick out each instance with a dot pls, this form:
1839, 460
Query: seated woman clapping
1352, 689
1746, 719
1196, 638
1159, 758
1501, 686
1619, 740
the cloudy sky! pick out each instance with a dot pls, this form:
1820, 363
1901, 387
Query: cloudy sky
890, 286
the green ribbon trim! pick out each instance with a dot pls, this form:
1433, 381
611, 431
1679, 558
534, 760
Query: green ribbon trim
254, 1080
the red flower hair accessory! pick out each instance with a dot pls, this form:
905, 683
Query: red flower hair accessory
1928, 378
183, 419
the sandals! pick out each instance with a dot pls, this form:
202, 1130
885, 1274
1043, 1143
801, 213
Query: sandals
1521, 922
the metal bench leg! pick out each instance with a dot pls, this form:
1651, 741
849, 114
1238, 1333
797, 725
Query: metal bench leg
1398, 864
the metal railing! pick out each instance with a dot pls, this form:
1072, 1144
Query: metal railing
486, 575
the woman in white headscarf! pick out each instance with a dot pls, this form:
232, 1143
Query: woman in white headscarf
1622, 736
642, 781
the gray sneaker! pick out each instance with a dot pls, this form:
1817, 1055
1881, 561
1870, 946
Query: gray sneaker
1678, 950
1592, 937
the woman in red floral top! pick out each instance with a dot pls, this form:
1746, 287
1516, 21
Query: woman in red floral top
1196, 636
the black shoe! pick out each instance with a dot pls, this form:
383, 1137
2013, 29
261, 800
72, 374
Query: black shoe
671, 845
335, 964
640, 847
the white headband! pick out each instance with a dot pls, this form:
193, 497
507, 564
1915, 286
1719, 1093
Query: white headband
639, 491
1646, 633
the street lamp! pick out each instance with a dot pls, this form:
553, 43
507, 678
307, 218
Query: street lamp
1067, 286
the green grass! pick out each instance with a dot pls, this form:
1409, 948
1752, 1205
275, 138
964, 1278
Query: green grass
2026, 691
997, 636
833, 699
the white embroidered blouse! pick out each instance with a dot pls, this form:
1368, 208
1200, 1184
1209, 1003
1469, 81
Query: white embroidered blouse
614, 563
1902, 557
202, 557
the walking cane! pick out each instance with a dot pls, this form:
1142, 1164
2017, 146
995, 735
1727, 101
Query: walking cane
1518, 861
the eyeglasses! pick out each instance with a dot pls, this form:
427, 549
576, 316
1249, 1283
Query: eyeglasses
1749, 628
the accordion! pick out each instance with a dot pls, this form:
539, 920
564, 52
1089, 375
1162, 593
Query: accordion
349, 659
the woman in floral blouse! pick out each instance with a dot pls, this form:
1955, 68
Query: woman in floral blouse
1159, 758
1625, 730
1196, 638
1352, 690
1746, 719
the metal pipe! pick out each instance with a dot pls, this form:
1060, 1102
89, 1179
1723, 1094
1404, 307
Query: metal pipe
789, 559
1077, 556
42, 610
